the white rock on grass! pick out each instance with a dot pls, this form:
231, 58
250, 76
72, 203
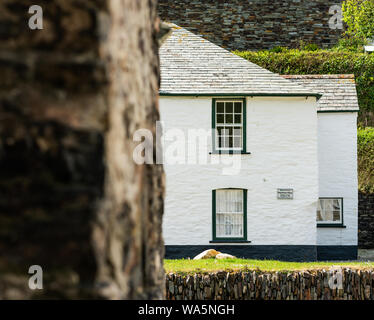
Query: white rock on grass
207, 254
224, 256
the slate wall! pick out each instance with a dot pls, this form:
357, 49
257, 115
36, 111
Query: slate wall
365, 221
338, 284
255, 24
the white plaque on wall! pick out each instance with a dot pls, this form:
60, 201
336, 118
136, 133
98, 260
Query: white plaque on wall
285, 194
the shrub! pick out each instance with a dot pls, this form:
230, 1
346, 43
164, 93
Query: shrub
293, 61
350, 44
278, 49
308, 46
365, 150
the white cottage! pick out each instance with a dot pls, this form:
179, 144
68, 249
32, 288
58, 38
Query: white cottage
257, 165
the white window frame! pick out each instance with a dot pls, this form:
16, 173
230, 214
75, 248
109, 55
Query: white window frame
216, 212
325, 223
227, 126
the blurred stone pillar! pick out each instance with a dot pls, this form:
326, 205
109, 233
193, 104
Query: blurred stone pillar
71, 198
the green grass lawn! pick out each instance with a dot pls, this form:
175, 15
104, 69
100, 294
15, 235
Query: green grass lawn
211, 265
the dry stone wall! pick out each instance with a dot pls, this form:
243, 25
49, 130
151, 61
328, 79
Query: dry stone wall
334, 284
255, 24
365, 221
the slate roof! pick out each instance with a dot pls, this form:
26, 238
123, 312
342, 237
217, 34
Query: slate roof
195, 66
339, 90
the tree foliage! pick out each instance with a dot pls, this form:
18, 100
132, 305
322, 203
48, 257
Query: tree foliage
365, 153
359, 17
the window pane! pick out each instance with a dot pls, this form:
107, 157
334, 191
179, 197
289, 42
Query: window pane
229, 213
238, 118
225, 131
237, 142
238, 107
220, 118
237, 131
229, 119
336, 204
227, 142
231, 142
329, 210
229, 107
220, 107
336, 216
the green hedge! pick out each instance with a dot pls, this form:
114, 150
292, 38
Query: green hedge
365, 149
294, 61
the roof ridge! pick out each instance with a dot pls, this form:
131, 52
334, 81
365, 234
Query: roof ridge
318, 76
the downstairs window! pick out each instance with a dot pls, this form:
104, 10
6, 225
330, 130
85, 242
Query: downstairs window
229, 214
330, 211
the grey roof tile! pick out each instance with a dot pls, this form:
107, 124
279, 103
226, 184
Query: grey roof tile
339, 90
193, 65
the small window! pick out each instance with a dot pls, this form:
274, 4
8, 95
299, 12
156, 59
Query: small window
229, 214
229, 125
330, 211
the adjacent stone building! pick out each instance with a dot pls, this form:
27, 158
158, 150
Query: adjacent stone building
257, 24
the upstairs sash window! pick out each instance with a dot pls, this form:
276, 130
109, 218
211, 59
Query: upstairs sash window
229, 125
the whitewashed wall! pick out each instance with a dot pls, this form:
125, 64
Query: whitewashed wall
282, 137
337, 153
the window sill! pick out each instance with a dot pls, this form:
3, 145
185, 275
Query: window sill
229, 241
229, 152
331, 225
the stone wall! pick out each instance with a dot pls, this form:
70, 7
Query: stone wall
69, 189
51, 144
255, 24
365, 221
257, 285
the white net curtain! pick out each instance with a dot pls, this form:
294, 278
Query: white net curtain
229, 213
329, 210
